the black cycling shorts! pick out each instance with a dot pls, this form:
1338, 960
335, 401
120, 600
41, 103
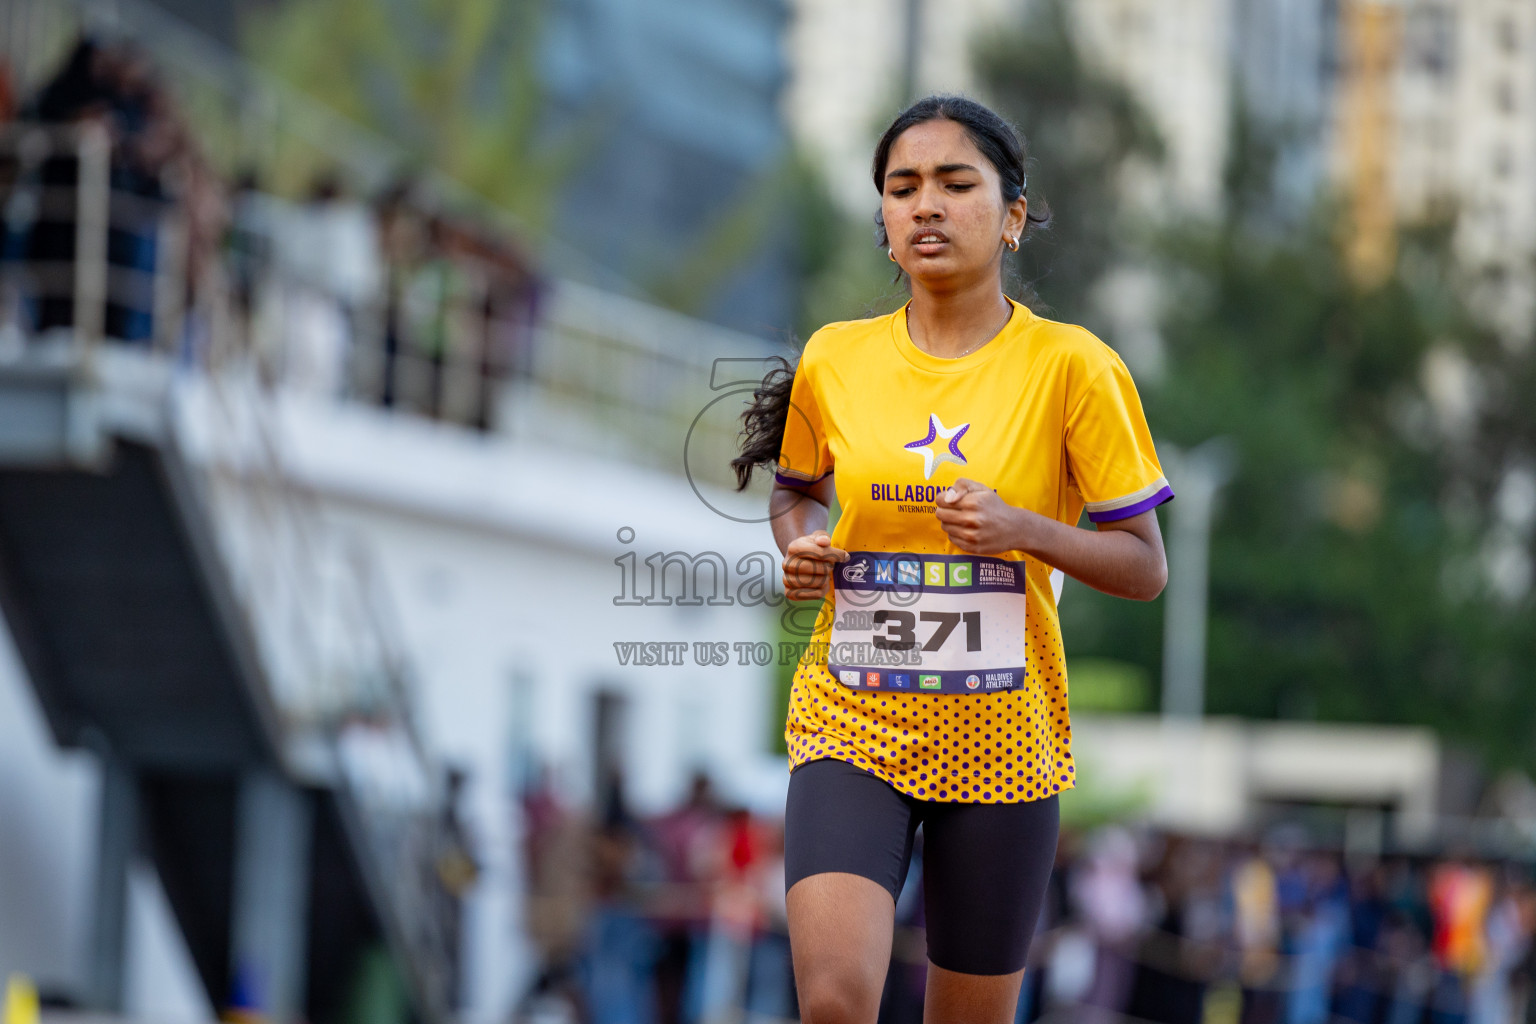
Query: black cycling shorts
985, 866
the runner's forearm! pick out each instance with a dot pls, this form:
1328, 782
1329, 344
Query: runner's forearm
797, 512
1123, 559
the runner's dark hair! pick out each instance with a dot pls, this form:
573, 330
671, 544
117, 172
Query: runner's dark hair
998, 141
762, 425
762, 433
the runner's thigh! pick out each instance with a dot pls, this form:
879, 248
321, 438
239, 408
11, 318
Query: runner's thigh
985, 872
847, 844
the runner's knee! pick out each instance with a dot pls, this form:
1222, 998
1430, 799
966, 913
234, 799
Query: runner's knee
839, 997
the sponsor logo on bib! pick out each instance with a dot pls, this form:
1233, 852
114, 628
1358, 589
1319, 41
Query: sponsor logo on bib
992, 573
961, 630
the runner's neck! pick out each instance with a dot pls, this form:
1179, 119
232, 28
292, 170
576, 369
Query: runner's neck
952, 325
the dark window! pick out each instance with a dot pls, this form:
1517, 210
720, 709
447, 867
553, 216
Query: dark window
1329, 57
610, 711
1505, 93
1430, 43
1503, 162
1509, 35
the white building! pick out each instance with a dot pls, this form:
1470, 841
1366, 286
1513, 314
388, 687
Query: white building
848, 70
1495, 147
1459, 106
849, 63
1218, 776
505, 566
1460, 113
1174, 56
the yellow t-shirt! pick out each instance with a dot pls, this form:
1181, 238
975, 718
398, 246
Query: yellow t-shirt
1048, 416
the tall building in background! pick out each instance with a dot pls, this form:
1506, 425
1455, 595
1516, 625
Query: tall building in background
679, 102
1415, 111
1494, 146
853, 60
1411, 111
854, 64
1174, 56
1285, 66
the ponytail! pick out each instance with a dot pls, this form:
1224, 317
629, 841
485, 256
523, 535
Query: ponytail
762, 431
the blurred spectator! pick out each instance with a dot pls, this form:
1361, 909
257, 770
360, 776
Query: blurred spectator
403, 227
400, 304
457, 872
685, 922
115, 89
248, 246
1107, 895
458, 313
437, 292
1256, 932
734, 915
7, 94
683, 839
1362, 977
320, 288
1508, 943
622, 945
557, 873
1170, 983
1320, 939
335, 244
1459, 897
770, 981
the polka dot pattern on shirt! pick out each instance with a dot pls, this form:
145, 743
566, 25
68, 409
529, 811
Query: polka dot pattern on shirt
985, 748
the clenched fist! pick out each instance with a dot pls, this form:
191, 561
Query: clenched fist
978, 521
808, 565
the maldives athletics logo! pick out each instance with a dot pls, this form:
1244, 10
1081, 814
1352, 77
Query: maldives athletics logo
924, 446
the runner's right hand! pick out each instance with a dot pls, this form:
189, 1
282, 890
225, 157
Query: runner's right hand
808, 563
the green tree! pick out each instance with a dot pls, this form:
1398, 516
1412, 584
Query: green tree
1348, 564
1085, 135
454, 82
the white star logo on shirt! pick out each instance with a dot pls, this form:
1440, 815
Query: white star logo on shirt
932, 460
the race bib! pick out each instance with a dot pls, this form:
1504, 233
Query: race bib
929, 623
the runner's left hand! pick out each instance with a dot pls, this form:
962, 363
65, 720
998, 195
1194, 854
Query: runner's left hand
976, 519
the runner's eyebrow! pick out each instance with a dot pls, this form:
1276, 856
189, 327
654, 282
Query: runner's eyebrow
912, 172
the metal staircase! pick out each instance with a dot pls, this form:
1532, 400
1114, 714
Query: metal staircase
181, 611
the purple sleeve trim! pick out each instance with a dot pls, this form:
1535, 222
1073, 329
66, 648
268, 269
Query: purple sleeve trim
794, 481
1114, 514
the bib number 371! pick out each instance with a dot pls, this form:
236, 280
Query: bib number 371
900, 629
955, 624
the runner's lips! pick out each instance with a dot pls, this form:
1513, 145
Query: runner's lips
928, 241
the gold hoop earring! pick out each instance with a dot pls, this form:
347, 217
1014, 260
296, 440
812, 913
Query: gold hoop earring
892, 254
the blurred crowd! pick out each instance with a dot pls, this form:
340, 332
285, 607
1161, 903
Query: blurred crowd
677, 917
392, 301
680, 918
1179, 929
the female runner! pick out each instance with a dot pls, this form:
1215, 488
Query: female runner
964, 437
